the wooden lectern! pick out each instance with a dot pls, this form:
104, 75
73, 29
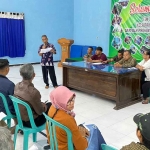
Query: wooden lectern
65, 49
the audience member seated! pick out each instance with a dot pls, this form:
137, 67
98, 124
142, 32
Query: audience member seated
143, 133
98, 57
62, 111
6, 142
89, 53
144, 66
26, 91
127, 61
6, 87
116, 58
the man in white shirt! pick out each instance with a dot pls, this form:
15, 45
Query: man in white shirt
144, 65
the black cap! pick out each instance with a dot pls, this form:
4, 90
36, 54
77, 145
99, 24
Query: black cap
143, 122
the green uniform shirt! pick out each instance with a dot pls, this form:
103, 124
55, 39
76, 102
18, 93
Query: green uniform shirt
134, 146
131, 62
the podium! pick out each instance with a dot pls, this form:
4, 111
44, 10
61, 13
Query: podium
65, 49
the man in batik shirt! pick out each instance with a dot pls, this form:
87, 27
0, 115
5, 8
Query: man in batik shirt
47, 62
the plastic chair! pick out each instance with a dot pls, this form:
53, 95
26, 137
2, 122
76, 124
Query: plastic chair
52, 124
34, 129
85, 48
76, 51
107, 147
9, 116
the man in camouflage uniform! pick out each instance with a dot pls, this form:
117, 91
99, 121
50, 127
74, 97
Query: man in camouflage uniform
143, 133
127, 61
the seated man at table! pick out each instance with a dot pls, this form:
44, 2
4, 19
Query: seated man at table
144, 67
98, 57
127, 61
26, 91
116, 58
89, 53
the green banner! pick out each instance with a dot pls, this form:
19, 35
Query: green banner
130, 27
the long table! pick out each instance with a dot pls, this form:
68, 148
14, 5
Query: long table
118, 84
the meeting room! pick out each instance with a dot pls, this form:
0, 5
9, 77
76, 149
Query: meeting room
74, 75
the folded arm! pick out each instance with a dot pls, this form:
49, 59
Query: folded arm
141, 68
132, 63
93, 60
119, 63
96, 61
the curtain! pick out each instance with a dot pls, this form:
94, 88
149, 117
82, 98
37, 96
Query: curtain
12, 35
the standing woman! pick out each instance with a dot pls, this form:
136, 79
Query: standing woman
62, 111
144, 66
47, 62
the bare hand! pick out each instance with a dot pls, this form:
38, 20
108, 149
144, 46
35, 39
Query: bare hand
40, 54
87, 133
84, 132
117, 65
141, 68
45, 107
105, 62
89, 60
52, 51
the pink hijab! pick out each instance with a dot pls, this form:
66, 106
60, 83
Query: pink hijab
60, 97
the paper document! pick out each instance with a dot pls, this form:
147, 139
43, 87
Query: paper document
97, 63
147, 79
86, 127
133, 68
45, 50
2, 115
65, 63
33, 147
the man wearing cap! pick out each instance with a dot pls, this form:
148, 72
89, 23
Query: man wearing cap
143, 133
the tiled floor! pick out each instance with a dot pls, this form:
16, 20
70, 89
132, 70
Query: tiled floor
117, 127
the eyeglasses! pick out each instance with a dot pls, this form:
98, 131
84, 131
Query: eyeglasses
71, 101
144, 54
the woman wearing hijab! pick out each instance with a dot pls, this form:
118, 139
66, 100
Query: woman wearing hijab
62, 111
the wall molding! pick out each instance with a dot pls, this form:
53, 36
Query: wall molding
36, 63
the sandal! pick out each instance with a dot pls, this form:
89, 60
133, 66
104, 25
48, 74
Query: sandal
47, 147
20, 131
146, 101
